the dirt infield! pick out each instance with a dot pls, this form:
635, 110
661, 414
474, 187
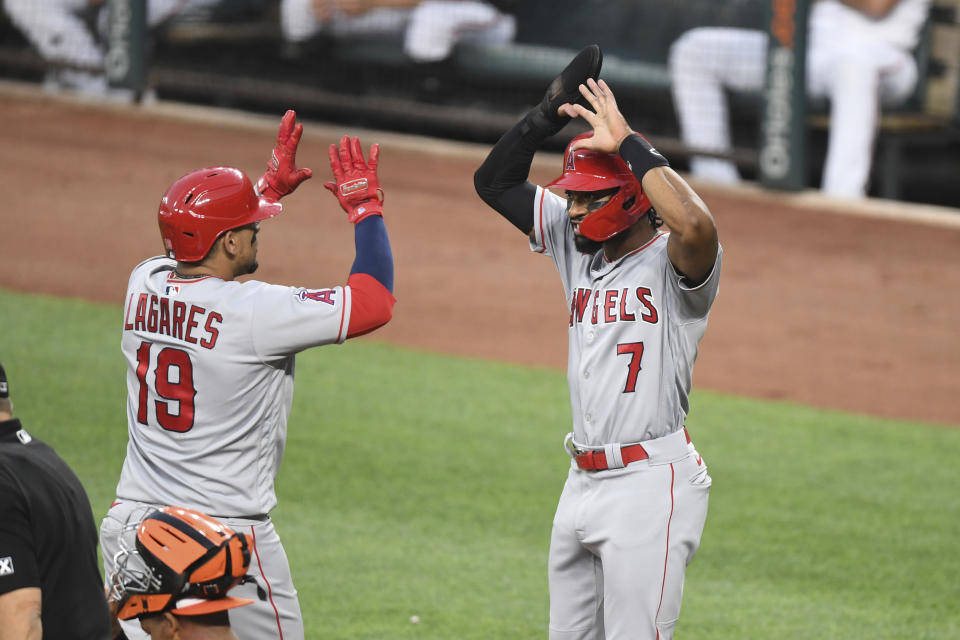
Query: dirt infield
818, 307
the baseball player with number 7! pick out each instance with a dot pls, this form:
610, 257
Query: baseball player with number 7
635, 501
210, 359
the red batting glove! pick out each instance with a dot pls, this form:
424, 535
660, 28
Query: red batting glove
282, 175
355, 182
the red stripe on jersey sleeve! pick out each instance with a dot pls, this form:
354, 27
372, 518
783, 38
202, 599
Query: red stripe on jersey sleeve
343, 314
543, 241
372, 305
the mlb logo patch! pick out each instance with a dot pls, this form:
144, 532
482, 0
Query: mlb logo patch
6, 566
173, 289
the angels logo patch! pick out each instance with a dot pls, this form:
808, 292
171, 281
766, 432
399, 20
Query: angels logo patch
319, 295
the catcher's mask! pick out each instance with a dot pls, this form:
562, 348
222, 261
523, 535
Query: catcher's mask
204, 204
586, 170
183, 561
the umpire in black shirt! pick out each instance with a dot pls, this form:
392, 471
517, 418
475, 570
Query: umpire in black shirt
50, 584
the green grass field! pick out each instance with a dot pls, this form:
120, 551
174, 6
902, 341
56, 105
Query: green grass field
422, 484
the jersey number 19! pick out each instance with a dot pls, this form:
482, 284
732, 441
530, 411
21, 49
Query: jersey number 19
173, 382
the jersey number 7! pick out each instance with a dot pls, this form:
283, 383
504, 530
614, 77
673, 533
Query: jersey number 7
173, 382
635, 351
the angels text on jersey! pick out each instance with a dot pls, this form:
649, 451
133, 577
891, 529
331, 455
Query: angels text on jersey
612, 305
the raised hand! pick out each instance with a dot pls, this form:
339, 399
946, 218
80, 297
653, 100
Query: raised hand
355, 182
609, 126
283, 176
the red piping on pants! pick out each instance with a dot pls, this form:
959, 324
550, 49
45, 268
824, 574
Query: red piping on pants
666, 554
253, 534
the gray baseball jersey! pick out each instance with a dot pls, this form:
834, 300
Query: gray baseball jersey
622, 536
210, 367
633, 336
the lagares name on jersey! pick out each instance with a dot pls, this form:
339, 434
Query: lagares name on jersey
173, 318
612, 305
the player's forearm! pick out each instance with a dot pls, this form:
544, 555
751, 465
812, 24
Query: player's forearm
371, 278
682, 210
22, 629
501, 181
374, 255
693, 240
20, 613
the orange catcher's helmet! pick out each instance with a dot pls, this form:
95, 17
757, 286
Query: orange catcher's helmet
183, 561
203, 204
587, 170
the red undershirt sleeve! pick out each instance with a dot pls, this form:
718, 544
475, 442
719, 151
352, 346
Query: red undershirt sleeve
372, 305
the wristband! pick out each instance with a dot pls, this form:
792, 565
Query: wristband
640, 155
364, 210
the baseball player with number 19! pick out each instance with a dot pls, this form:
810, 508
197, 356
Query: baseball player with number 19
635, 501
211, 359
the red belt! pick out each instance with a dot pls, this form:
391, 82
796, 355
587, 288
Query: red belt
596, 460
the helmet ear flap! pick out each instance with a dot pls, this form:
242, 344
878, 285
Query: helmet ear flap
620, 213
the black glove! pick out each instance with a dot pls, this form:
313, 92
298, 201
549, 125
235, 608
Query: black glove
564, 88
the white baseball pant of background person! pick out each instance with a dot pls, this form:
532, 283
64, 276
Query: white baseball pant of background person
860, 64
56, 29
430, 29
268, 565
437, 25
58, 32
299, 22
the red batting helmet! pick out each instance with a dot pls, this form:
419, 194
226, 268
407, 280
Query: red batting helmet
183, 562
201, 205
586, 170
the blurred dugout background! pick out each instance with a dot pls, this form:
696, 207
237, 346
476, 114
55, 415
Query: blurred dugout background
464, 70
